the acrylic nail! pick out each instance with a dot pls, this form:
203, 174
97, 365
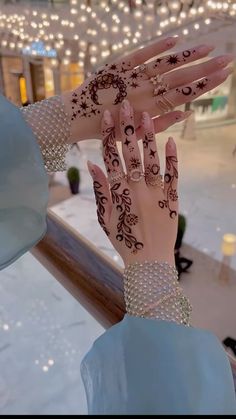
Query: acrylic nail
146, 121
205, 49
187, 114
224, 60
170, 42
171, 142
225, 73
91, 168
126, 107
107, 117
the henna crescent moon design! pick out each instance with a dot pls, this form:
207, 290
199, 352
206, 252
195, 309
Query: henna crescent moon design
186, 53
129, 128
187, 91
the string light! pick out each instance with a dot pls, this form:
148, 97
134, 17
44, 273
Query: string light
87, 23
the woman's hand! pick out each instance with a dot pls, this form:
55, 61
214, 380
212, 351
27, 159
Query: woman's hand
129, 78
138, 212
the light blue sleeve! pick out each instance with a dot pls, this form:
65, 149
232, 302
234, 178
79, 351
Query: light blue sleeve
143, 366
23, 186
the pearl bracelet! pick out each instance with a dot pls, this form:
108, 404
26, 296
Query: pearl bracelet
51, 127
151, 290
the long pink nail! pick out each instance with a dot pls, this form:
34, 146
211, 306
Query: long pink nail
126, 107
171, 143
205, 49
91, 169
224, 60
107, 117
146, 120
170, 42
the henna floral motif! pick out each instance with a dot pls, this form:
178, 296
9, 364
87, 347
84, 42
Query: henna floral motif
100, 201
109, 147
124, 231
131, 219
135, 163
171, 194
105, 81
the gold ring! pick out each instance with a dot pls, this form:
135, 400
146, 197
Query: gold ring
135, 175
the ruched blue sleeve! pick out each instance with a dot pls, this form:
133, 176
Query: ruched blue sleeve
143, 366
23, 186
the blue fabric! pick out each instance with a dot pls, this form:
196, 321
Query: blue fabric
142, 366
23, 186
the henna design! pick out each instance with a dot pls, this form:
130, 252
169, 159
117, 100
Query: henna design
110, 150
148, 139
157, 62
129, 130
123, 203
152, 153
188, 90
105, 81
100, 202
127, 142
173, 59
152, 169
131, 219
134, 85
171, 194
186, 54
201, 85
135, 163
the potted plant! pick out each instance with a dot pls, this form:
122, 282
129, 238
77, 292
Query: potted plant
73, 177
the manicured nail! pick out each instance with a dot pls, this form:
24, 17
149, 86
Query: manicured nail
225, 73
205, 49
171, 143
171, 41
187, 114
126, 107
107, 117
224, 60
146, 120
91, 168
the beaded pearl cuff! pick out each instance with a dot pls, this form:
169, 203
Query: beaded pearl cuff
151, 290
51, 126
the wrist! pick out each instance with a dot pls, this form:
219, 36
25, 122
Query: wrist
151, 290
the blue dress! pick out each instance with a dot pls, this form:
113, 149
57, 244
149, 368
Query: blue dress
138, 366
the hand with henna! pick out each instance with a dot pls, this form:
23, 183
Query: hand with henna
128, 78
136, 208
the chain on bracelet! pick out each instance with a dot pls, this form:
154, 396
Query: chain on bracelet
51, 126
151, 290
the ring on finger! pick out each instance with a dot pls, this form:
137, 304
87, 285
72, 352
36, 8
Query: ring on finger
135, 175
160, 87
165, 104
154, 180
115, 177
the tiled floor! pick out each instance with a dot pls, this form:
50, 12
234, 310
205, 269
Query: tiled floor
41, 324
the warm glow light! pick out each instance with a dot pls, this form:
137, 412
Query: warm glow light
229, 244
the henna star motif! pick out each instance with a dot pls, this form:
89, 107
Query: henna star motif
173, 59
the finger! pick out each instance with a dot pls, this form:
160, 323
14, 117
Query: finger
130, 146
187, 75
164, 64
111, 156
161, 123
150, 153
190, 92
139, 56
102, 196
171, 178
